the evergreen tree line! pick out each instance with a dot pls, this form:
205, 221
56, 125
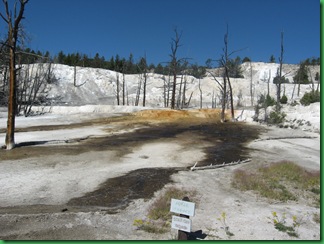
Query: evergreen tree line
130, 66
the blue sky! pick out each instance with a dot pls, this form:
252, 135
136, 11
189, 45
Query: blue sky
112, 27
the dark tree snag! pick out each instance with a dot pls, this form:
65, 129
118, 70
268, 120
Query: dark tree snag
13, 29
280, 72
175, 44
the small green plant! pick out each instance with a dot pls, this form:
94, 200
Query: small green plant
266, 101
277, 117
284, 99
310, 97
281, 224
222, 219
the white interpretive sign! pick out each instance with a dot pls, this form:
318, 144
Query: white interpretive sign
182, 207
180, 223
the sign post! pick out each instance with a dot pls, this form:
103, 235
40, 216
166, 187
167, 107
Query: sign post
182, 223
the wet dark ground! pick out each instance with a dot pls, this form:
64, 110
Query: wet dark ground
117, 193
226, 144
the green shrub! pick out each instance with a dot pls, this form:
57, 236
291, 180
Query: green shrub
276, 117
266, 101
310, 97
284, 99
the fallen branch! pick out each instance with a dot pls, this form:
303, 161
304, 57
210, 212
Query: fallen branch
218, 165
287, 138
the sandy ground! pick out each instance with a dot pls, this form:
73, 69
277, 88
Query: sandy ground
34, 190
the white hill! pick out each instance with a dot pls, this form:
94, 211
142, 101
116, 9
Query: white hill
98, 86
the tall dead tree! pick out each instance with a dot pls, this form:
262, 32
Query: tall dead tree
166, 89
279, 72
200, 91
117, 88
225, 63
144, 71
174, 65
251, 84
138, 91
223, 92
13, 24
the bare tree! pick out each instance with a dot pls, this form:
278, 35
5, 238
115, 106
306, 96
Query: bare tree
139, 87
13, 24
117, 88
279, 72
75, 78
225, 62
166, 89
144, 75
174, 64
268, 83
200, 91
124, 88
251, 84
32, 87
222, 88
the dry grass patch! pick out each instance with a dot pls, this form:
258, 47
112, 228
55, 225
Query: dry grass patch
281, 181
167, 115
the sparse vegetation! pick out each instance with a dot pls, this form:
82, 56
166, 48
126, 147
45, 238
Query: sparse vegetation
276, 117
281, 224
266, 101
284, 99
310, 97
222, 219
281, 181
159, 216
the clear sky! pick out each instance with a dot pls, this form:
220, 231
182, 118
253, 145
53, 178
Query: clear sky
121, 27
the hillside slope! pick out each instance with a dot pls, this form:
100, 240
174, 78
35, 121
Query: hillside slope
99, 86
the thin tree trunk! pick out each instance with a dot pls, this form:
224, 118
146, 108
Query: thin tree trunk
201, 96
144, 88
280, 73
124, 89
117, 84
251, 85
269, 82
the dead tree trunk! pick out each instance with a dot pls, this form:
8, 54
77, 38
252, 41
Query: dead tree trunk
180, 92
174, 64
144, 87
139, 87
13, 29
278, 84
311, 78
184, 103
201, 95
269, 78
251, 85
124, 83
226, 62
117, 88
